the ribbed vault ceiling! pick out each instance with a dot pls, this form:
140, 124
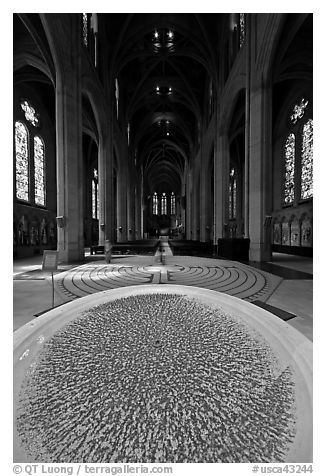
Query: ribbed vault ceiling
164, 64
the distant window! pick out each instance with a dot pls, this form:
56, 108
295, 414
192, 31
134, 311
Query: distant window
89, 34
22, 161
242, 21
232, 194
39, 171
94, 29
172, 205
95, 201
163, 204
234, 197
155, 204
85, 29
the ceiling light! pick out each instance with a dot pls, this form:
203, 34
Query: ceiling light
168, 133
156, 34
157, 88
170, 34
170, 89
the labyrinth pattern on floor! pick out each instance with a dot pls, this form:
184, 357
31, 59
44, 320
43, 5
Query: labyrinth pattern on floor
229, 277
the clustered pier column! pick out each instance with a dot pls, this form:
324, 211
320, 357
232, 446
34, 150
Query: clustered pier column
69, 150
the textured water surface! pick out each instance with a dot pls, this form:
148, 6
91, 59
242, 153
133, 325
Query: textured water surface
156, 378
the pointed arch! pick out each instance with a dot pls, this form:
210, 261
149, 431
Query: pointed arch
22, 161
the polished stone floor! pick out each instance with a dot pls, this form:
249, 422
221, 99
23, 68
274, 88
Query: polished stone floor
285, 283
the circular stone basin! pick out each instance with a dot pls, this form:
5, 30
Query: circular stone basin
161, 374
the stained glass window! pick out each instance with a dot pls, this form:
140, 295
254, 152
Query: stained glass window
39, 171
85, 29
230, 200
242, 29
299, 110
163, 204
289, 169
95, 201
232, 195
155, 204
234, 198
307, 160
22, 165
172, 204
30, 113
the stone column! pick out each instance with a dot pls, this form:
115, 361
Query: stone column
202, 198
131, 208
69, 162
138, 210
195, 205
142, 205
189, 204
221, 181
121, 204
246, 190
260, 171
183, 205
205, 197
106, 189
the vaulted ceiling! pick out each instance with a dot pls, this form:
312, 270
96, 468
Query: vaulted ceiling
165, 65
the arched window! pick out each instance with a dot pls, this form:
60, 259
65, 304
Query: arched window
242, 28
298, 155
163, 204
22, 161
39, 172
89, 31
94, 27
172, 204
155, 204
95, 195
289, 169
307, 160
85, 29
232, 194
29, 158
